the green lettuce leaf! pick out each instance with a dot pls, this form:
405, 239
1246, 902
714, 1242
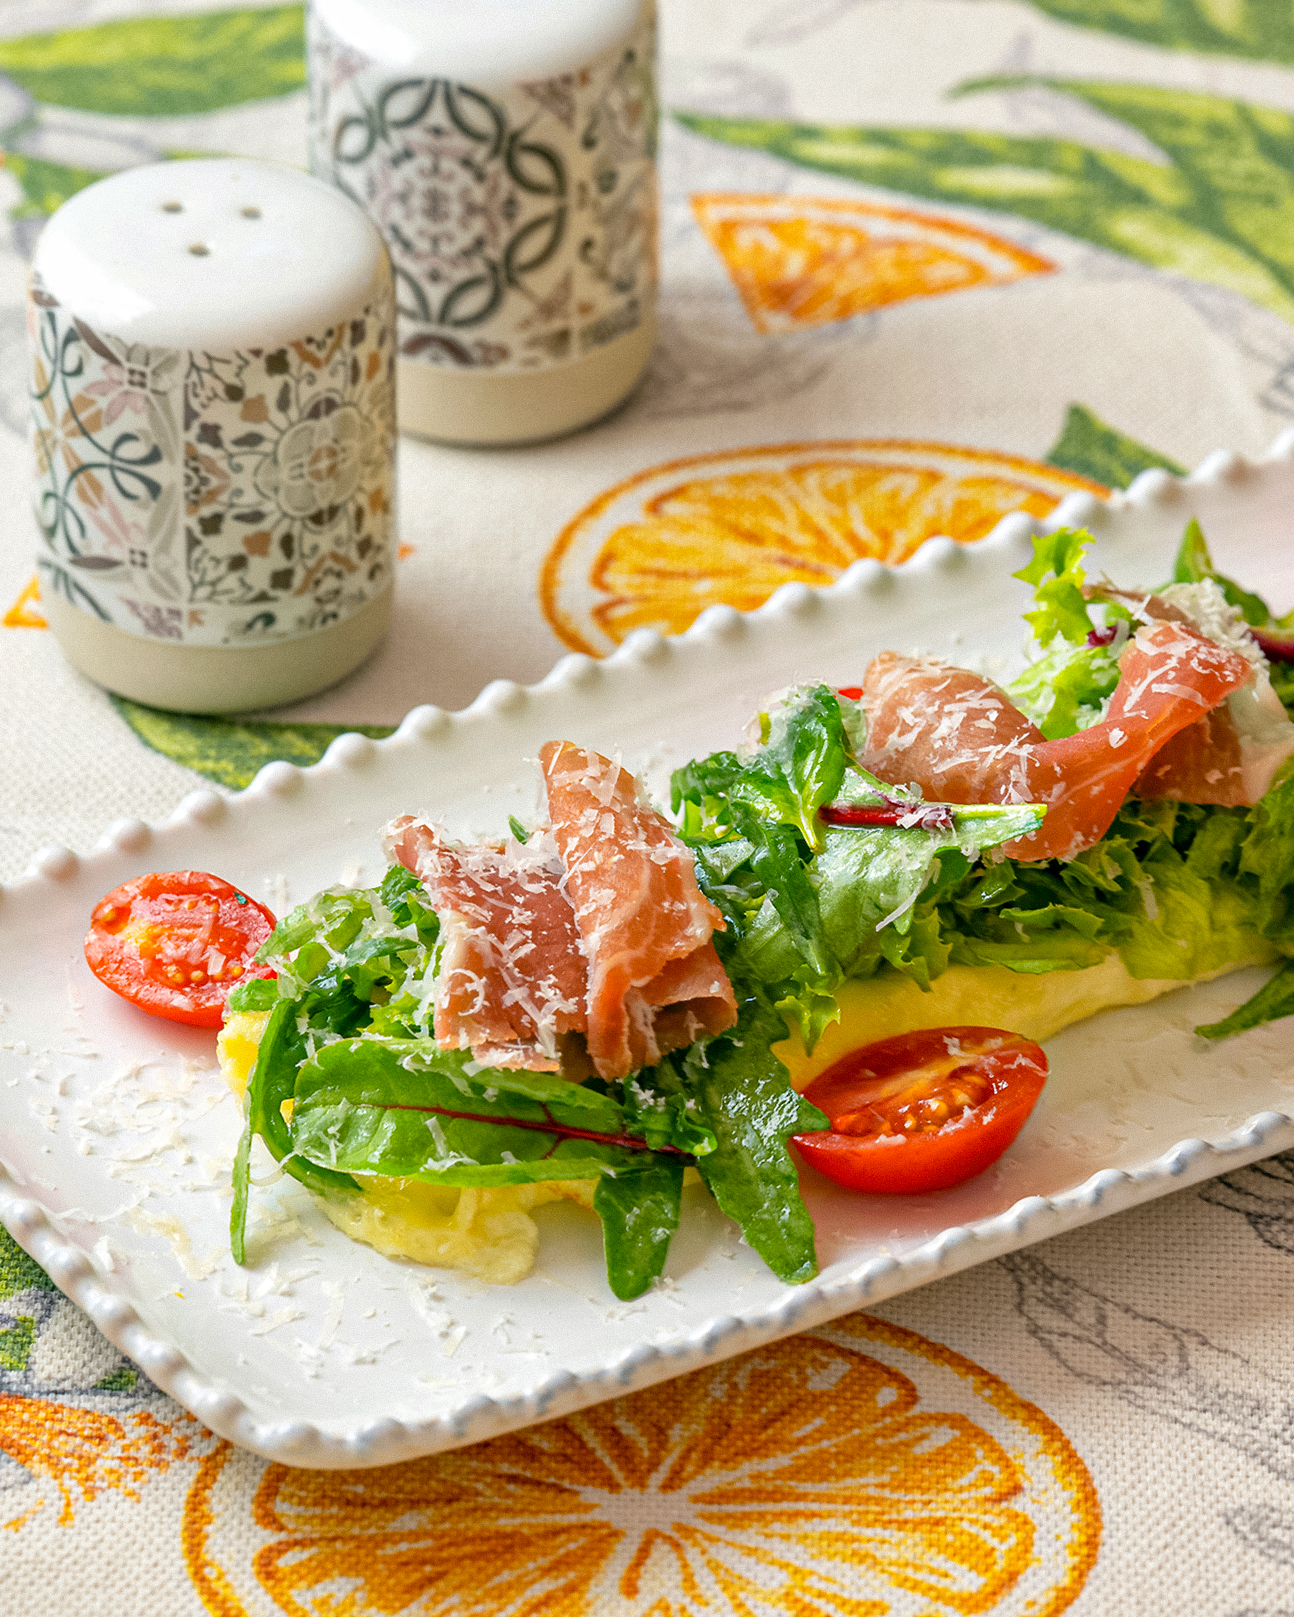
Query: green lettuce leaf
1066, 689
869, 878
331, 919
1057, 576
1166, 886
254, 994
1194, 564
1272, 1002
1266, 860
803, 913
1282, 678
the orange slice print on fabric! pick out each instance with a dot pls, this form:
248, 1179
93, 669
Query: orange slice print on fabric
25, 613
807, 1477
809, 261
657, 549
84, 1453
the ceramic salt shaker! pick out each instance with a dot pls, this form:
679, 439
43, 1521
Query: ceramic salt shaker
213, 362
506, 149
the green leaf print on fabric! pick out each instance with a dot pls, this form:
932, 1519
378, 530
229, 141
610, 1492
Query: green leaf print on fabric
1262, 30
18, 1272
17, 1342
231, 751
122, 1379
45, 185
163, 67
1095, 449
1217, 210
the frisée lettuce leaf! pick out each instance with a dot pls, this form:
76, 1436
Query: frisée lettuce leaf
1065, 690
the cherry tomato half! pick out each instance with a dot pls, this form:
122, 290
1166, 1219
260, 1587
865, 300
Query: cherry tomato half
925, 1110
175, 943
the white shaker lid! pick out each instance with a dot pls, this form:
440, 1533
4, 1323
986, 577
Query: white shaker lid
212, 254
484, 43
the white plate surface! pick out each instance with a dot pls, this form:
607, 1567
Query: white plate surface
118, 1135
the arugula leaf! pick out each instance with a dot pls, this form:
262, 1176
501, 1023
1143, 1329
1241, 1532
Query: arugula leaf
775, 860
273, 1081
743, 1093
1194, 564
662, 1119
1272, 1002
639, 1209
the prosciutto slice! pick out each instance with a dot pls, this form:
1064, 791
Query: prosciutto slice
655, 982
595, 927
1230, 755
512, 974
961, 739
1201, 764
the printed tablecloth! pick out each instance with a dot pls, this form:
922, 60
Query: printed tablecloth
925, 262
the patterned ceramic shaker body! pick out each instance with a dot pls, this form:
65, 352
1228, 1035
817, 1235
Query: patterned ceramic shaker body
212, 349
506, 149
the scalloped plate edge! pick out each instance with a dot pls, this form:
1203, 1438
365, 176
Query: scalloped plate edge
386, 1441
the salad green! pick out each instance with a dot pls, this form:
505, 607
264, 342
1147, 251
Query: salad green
824, 874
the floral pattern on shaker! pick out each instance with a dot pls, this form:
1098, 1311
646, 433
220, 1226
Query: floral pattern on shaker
521, 223
214, 499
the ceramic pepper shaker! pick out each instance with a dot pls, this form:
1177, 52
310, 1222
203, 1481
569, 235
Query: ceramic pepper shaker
507, 152
212, 348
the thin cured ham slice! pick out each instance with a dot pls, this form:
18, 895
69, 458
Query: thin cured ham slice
956, 734
960, 738
512, 974
655, 982
1201, 764
1230, 755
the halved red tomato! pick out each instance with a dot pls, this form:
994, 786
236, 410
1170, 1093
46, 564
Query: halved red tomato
923, 1111
175, 943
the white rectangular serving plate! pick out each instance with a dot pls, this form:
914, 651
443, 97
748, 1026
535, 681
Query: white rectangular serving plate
118, 1134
